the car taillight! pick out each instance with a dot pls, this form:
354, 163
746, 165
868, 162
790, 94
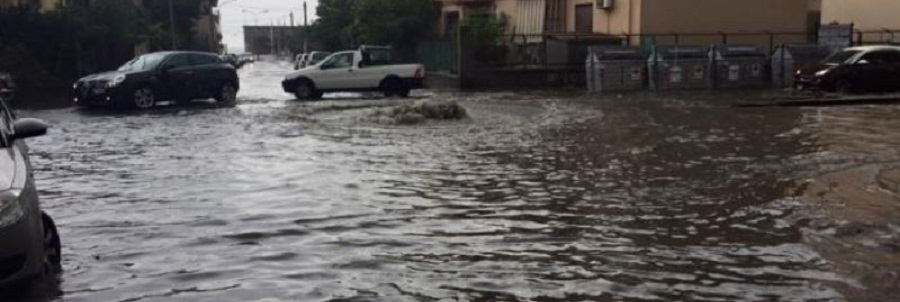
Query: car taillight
3, 84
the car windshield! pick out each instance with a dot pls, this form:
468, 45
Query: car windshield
841, 57
143, 63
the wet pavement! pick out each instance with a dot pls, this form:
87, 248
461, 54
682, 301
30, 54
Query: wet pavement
535, 197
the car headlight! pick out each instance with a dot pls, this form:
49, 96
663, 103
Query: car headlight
822, 72
11, 210
116, 81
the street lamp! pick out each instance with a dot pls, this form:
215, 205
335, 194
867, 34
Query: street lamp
255, 15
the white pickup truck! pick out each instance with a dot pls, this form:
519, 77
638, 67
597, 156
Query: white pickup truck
366, 69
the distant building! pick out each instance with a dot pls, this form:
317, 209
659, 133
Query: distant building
274, 39
866, 15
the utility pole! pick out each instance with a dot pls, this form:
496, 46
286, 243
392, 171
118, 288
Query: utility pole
292, 18
305, 29
172, 23
272, 38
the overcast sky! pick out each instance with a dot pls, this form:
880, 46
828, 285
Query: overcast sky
237, 13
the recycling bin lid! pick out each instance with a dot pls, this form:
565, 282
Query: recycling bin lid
617, 53
681, 52
737, 51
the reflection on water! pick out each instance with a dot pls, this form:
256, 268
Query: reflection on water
532, 199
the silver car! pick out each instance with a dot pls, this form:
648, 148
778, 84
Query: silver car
300, 61
30, 243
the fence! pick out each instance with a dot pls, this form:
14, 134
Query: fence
560, 57
868, 37
551, 50
438, 55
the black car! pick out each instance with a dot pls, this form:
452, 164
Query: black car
162, 76
854, 70
233, 60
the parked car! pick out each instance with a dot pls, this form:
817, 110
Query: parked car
854, 70
7, 87
314, 58
247, 58
175, 75
366, 69
300, 61
31, 244
232, 59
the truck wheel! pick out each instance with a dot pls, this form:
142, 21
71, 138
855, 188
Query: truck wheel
305, 91
393, 87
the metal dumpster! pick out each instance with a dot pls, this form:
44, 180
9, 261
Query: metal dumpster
615, 68
738, 66
787, 59
678, 67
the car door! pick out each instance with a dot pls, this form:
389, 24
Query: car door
871, 72
177, 80
336, 73
205, 77
892, 62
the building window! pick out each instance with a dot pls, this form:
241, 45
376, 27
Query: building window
584, 18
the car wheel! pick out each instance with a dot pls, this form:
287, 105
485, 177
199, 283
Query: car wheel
227, 94
304, 91
144, 98
393, 87
52, 246
843, 87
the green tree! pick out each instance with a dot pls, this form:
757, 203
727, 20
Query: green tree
157, 17
332, 28
400, 23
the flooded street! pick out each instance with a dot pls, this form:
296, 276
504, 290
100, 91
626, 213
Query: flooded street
535, 197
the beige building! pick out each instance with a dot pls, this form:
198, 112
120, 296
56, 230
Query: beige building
696, 21
652, 21
866, 15
521, 16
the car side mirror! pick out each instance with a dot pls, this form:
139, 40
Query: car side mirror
28, 127
862, 62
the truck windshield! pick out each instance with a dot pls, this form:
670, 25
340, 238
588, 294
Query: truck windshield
143, 63
840, 58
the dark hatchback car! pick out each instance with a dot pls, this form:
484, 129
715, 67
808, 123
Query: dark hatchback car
162, 76
29, 242
854, 70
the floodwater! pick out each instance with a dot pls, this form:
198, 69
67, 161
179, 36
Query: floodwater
535, 197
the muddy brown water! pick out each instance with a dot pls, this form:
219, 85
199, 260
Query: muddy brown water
536, 197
